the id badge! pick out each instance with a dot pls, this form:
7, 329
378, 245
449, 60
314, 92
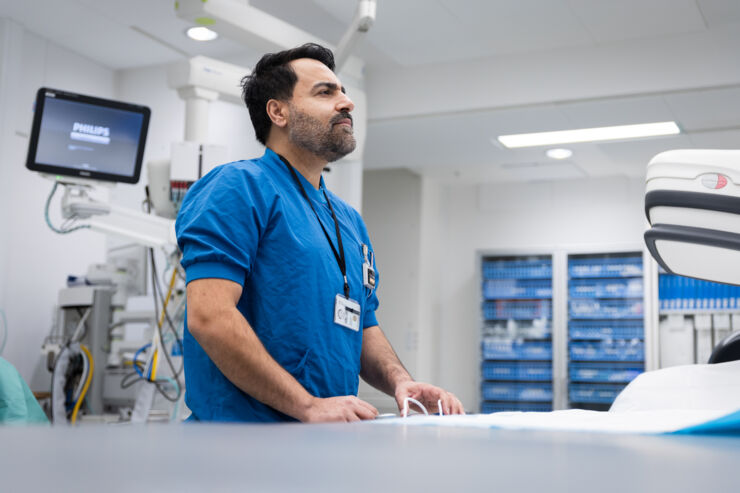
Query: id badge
347, 313
368, 273
368, 276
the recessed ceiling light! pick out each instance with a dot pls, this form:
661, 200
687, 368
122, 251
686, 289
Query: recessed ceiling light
590, 134
201, 33
559, 153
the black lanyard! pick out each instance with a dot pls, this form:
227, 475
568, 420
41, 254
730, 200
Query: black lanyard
337, 255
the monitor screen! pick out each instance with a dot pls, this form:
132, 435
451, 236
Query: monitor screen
87, 137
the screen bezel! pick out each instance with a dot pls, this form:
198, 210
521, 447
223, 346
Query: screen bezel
41, 96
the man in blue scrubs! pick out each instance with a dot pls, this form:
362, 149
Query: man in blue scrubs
281, 281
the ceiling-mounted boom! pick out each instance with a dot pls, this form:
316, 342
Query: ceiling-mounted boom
264, 32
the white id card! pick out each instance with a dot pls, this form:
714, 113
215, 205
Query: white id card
347, 313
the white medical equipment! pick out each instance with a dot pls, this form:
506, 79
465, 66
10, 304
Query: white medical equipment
85, 144
692, 202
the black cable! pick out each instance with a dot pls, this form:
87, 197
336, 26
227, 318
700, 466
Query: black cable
155, 277
170, 323
64, 347
165, 395
125, 380
157, 290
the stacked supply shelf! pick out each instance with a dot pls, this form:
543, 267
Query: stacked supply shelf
516, 348
695, 316
606, 336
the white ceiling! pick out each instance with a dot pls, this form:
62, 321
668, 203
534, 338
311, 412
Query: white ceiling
458, 143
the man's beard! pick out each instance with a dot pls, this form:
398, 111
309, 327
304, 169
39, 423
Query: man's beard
330, 143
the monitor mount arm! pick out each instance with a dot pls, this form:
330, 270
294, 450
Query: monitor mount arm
142, 228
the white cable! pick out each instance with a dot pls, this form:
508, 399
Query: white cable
76, 333
439, 406
62, 230
405, 412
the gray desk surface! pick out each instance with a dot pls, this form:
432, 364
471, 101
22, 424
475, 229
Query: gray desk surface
359, 457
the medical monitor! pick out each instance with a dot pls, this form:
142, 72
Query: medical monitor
87, 137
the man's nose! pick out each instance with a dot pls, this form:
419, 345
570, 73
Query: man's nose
345, 104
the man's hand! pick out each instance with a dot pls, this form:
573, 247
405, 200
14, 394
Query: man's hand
428, 395
344, 408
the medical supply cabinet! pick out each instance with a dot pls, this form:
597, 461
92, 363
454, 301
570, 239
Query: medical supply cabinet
606, 334
516, 346
561, 329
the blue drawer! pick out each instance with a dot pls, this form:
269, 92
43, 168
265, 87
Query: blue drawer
517, 288
606, 329
514, 350
496, 407
593, 393
510, 391
608, 309
604, 372
605, 267
517, 310
607, 351
517, 370
605, 288
517, 269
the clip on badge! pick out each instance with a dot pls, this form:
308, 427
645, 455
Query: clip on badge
347, 313
368, 273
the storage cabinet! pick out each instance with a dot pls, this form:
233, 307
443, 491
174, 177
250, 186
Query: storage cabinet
563, 329
516, 342
560, 329
606, 335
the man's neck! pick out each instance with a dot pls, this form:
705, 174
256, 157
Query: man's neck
306, 163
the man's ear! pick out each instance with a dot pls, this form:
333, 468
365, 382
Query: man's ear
278, 112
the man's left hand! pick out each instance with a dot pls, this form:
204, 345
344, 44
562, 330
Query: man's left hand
428, 395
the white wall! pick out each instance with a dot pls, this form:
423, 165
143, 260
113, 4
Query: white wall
228, 123
34, 262
457, 222
396, 244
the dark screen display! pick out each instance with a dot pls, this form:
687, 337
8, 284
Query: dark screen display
87, 137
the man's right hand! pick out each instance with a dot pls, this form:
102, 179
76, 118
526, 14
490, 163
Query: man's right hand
344, 409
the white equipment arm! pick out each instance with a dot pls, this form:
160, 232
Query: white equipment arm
145, 229
362, 22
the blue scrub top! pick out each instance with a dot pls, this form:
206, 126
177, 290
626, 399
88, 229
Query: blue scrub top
248, 222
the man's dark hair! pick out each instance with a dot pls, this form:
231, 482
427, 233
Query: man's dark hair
274, 78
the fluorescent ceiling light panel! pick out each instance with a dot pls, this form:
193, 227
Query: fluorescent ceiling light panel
590, 134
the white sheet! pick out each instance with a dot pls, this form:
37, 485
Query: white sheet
662, 421
663, 401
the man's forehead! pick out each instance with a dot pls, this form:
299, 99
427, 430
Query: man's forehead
310, 72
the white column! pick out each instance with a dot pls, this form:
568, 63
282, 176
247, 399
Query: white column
197, 100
